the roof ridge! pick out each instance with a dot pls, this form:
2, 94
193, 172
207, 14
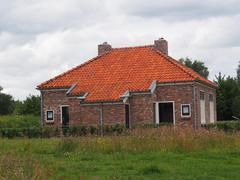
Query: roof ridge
72, 69
132, 47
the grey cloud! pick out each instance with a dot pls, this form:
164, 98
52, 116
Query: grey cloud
174, 10
31, 17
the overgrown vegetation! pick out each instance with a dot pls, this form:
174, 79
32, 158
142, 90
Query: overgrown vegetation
150, 153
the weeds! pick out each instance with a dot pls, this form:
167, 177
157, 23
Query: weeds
14, 167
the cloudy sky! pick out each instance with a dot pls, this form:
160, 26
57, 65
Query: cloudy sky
42, 38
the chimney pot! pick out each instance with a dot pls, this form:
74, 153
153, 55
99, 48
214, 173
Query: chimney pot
103, 48
161, 45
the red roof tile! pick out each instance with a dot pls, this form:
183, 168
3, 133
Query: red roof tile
108, 76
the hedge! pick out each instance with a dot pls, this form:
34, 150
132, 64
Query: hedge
227, 126
56, 131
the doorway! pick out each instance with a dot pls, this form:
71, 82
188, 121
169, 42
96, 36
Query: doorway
65, 116
165, 112
202, 107
127, 115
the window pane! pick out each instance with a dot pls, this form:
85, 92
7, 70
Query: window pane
210, 97
186, 110
49, 115
201, 95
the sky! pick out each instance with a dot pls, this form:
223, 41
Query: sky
40, 39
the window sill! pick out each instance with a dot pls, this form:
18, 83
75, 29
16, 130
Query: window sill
49, 122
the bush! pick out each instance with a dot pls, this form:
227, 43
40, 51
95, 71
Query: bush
228, 126
15, 121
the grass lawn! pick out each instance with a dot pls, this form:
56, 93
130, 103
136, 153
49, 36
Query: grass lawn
175, 155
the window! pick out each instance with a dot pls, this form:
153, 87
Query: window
50, 116
202, 95
210, 97
185, 110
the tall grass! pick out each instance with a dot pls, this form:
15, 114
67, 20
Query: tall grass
14, 167
23, 158
155, 139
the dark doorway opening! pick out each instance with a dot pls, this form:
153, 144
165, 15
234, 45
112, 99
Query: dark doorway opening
65, 118
127, 115
166, 112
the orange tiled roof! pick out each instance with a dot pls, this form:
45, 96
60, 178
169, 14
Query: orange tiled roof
108, 76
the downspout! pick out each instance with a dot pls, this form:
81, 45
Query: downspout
194, 105
42, 112
101, 118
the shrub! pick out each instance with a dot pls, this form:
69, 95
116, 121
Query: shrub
15, 121
48, 132
228, 126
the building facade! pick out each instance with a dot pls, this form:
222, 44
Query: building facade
133, 85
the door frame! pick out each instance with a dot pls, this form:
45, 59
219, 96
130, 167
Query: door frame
200, 104
157, 111
61, 111
129, 124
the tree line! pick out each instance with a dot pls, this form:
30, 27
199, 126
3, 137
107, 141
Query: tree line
31, 105
227, 95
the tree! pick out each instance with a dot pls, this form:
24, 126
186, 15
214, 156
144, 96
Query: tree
196, 65
6, 103
31, 105
227, 97
236, 106
238, 73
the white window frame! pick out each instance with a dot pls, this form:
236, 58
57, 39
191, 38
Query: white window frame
157, 111
61, 111
190, 109
47, 116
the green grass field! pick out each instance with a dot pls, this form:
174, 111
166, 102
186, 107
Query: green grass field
165, 153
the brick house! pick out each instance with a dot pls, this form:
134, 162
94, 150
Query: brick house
129, 85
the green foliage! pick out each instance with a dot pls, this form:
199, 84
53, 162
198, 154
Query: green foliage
227, 126
32, 105
6, 103
238, 73
196, 65
19, 121
236, 106
227, 97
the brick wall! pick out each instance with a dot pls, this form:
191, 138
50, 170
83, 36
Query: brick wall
53, 100
112, 114
80, 114
141, 106
180, 94
141, 109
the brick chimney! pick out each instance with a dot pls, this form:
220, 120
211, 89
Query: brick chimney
103, 48
161, 45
